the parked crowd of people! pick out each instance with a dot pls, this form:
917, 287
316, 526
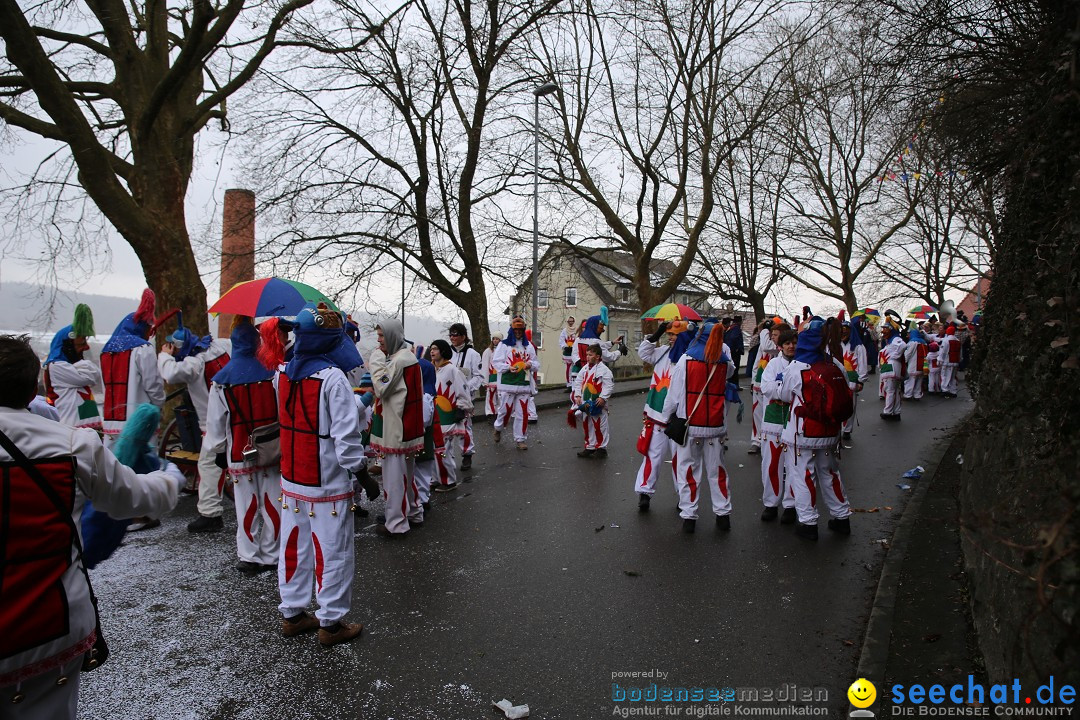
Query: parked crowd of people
302, 428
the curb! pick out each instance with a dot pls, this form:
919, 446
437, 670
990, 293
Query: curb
874, 655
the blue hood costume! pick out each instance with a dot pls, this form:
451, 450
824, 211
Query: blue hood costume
56, 347
809, 347
243, 368
187, 343
317, 348
128, 335
696, 350
682, 341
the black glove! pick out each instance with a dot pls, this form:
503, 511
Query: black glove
623, 349
658, 334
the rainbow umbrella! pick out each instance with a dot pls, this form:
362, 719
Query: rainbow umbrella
871, 314
671, 311
269, 297
922, 312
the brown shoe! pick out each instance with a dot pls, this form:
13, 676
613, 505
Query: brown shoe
346, 633
498, 435
305, 624
522, 446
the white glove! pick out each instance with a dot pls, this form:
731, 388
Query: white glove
176, 475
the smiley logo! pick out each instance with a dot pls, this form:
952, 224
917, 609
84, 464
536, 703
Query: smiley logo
862, 693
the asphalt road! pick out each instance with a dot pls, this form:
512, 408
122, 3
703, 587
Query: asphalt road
538, 581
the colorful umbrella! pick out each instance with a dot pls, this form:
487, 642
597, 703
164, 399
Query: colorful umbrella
671, 311
268, 297
871, 314
922, 312
977, 317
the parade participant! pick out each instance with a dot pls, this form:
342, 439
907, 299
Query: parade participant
696, 395
773, 450
856, 367
915, 359
567, 340
933, 381
817, 389
397, 430
472, 367
48, 620
767, 350
653, 443
453, 406
949, 355
733, 337
592, 391
425, 466
533, 416
129, 368
192, 361
890, 365
69, 377
242, 423
592, 332
491, 392
515, 360
320, 448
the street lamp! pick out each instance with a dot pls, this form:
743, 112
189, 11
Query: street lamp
545, 89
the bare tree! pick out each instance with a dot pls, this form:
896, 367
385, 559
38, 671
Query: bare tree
384, 150
843, 138
738, 258
125, 89
643, 87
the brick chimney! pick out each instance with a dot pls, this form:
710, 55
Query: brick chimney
237, 246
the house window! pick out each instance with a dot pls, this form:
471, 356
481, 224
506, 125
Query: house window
685, 299
542, 298
571, 297
538, 338
638, 337
624, 294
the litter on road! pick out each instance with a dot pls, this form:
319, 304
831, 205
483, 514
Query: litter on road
511, 710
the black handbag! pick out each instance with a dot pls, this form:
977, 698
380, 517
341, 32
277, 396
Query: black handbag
677, 427
99, 653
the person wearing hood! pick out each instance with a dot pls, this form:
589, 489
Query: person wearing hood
70, 377
321, 449
949, 356
776, 484
816, 386
933, 366
696, 394
491, 392
425, 463
472, 368
592, 332
856, 367
515, 361
129, 369
914, 358
189, 360
767, 350
652, 442
567, 341
242, 423
397, 428
453, 406
891, 368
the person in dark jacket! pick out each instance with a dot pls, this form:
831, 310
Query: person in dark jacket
733, 338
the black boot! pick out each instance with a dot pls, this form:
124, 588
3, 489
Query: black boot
769, 514
789, 516
723, 522
643, 501
466, 462
806, 532
840, 527
206, 524
688, 525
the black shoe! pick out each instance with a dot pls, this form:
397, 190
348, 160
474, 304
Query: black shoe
769, 514
380, 519
806, 532
601, 452
643, 501
371, 488
586, 453
534, 421
847, 436
206, 524
723, 522
359, 511
253, 568
440, 488
840, 527
466, 462
147, 524
384, 532
416, 524
789, 516
688, 525
426, 506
